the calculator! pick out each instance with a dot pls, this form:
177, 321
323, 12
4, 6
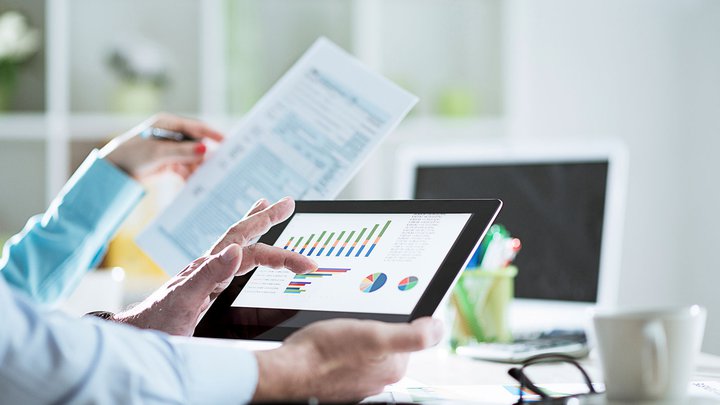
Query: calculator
572, 343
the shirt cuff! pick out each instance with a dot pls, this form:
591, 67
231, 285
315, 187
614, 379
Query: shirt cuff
217, 371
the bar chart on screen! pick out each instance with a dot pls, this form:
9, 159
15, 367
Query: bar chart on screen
357, 243
365, 262
300, 282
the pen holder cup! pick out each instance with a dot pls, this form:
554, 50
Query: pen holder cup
481, 300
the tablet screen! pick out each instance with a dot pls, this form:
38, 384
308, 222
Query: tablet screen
367, 263
389, 261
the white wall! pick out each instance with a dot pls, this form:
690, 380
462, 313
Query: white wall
647, 72
702, 127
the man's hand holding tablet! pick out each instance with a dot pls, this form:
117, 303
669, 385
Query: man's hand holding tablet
333, 360
341, 359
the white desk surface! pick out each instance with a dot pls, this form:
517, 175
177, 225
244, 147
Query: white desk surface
438, 367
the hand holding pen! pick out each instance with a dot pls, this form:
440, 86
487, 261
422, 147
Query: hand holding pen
163, 134
162, 142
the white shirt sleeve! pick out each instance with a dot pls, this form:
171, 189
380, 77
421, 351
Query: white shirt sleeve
48, 357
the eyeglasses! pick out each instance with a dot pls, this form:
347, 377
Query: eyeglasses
519, 374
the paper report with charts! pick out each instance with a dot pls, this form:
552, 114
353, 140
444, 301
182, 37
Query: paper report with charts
305, 138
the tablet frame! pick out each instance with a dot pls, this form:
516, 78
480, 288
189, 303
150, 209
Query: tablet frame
224, 321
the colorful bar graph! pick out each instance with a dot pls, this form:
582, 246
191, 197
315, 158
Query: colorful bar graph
307, 243
336, 243
367, 240
317, 242
297, 244
378, 238
312, 275
345, 243
298, 283
356, 242
325, 244
360, 243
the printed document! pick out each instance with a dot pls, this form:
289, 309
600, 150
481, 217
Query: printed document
305, 138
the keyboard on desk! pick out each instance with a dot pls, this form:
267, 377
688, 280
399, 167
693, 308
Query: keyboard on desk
571, 343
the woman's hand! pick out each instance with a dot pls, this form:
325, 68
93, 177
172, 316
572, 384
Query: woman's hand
139, 157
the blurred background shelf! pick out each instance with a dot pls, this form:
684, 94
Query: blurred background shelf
101, 126
23, 126
102, 67
25, 156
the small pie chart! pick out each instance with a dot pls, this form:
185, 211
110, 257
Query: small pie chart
408, 283
373, 282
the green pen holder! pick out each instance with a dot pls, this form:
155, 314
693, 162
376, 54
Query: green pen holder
481, 300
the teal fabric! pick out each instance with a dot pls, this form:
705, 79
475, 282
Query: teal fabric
49, 257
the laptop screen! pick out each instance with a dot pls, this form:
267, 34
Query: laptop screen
555, 208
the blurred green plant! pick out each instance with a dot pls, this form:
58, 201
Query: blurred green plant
142, 69
140, 64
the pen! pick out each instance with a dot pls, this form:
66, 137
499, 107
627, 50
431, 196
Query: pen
512, 247
495, 231
494, 253
166, 135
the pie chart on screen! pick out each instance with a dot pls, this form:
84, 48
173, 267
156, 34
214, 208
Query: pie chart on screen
373, 282
408, 283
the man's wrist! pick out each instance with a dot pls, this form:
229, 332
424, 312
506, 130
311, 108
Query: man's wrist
274, 383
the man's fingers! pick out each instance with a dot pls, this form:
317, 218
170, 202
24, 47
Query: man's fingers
215, 270
418, 335
275, 257
259, 205
403, 337
187, 271
261, 221
256, 224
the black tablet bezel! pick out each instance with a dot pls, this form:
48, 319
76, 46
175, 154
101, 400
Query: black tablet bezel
223, 321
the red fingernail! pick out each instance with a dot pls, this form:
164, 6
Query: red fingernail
200, 149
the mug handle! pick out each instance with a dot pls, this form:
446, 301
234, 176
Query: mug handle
655, 358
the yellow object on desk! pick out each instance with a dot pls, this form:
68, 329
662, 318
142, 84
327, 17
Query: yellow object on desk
142, 274
481, 300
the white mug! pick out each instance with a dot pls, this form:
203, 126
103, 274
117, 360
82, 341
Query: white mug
649, 354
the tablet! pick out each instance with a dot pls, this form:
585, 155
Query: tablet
391, 261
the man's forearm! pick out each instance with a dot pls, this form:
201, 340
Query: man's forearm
52, 358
